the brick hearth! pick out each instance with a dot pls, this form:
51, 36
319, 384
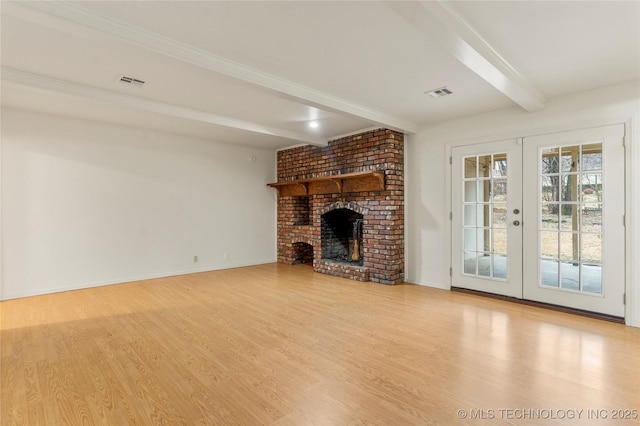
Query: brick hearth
299, 216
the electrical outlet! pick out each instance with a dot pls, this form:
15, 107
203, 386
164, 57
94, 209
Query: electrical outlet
195, 259
226, 256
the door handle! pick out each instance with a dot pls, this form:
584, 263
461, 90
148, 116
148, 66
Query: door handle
516, 222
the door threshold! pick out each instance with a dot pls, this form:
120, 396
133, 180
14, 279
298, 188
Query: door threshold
557, 308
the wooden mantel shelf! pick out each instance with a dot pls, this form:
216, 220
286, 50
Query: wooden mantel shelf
349, 182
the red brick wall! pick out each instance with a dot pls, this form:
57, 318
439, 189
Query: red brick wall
383, 211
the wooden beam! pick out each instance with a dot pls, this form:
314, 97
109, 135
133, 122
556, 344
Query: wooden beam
73, 18
441, 22
25, 79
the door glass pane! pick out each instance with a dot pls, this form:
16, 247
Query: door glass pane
570, 228
500, 266
592, 217
485, 215
470, 215
591, 187
569, 158
591, 248
484, 240
470, 262
499, 190
549, 161
484, 264
550, 218
470, 191
550, 188
485, 218
484, 166
569, 217
470, 238
499, 215
568, 187
549, 272
499, 165
549, 244
499, 241
569, 246
569, 276
592, 156
592, 278
470, 165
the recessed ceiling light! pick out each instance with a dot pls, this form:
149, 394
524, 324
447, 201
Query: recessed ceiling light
439, 92
313, 124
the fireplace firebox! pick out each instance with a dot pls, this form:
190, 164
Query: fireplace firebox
341, 236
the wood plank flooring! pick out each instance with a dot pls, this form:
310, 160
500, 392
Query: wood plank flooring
281, 345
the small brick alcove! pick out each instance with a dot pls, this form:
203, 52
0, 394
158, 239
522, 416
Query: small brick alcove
330, 197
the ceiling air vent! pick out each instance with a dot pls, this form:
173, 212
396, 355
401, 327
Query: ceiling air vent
438, 93
131, 80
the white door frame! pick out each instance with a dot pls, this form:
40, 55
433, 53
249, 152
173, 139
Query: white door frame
632, 200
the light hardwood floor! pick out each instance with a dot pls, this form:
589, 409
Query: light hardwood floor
282, 345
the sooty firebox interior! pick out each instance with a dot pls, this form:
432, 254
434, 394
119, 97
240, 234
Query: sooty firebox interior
341, 236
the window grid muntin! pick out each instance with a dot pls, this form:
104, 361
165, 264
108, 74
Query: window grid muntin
582, 175
484, 203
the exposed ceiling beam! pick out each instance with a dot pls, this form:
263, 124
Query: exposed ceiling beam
69, 16
441, 22
50, 84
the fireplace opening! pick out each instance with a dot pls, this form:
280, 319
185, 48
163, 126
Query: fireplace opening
302, 253
341, 236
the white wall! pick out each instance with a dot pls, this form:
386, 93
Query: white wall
87, 204
428, 242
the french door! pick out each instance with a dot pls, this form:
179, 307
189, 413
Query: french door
541, 218
486, 218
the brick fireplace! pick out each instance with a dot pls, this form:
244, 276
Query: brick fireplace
341, 207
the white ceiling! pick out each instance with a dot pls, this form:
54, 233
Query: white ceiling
256, 73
